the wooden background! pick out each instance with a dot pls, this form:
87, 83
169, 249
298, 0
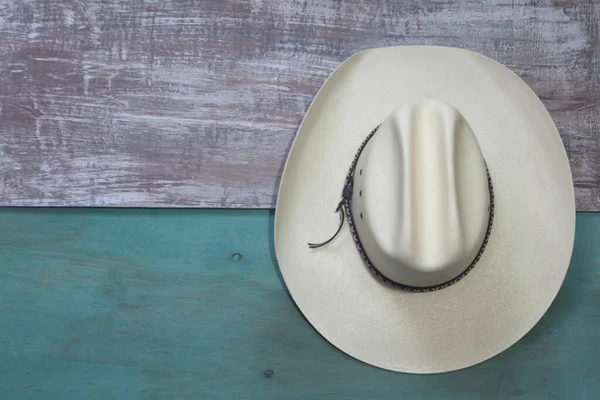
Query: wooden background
191, 103
188, 304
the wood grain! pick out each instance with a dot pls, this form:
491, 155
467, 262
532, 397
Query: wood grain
188, 304
188, 103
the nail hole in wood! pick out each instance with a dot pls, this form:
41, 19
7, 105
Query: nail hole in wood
269, 373
236, 257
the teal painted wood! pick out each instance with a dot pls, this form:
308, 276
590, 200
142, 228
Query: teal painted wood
178, 304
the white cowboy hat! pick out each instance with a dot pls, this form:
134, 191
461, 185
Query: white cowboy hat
459, 208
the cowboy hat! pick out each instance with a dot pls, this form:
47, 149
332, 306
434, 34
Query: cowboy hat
455, 205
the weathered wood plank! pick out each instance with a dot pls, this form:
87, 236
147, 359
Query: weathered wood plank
195, 103
156, 304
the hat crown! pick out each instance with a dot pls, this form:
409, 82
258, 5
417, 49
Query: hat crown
420, 196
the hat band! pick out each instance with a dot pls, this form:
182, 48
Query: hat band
345, 209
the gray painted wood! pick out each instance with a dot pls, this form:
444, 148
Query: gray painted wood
195, 103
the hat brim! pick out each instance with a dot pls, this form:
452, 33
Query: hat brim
530, 245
